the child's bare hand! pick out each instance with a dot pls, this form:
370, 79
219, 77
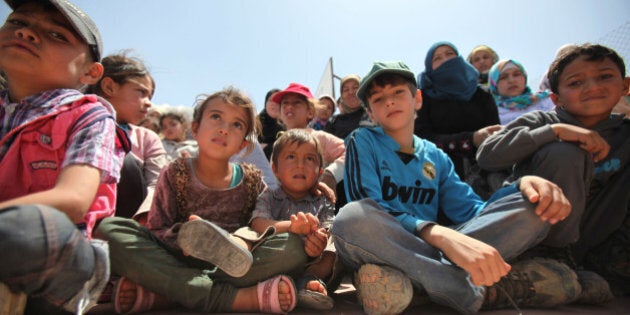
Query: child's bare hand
588, 140
303, 224
185, 154
482, 134
553, 206
325, 188
315, 243
482, 261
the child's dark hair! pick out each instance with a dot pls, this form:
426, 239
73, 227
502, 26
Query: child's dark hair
174, 115
270, 93
388, 79
121, 69
233, 96
593, 52
295, 136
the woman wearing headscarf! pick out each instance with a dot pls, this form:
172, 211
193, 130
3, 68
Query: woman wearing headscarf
456, 114
482, 58
508, 85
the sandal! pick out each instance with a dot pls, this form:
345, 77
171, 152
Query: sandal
268, 295
204, 240
145, 299
313, 299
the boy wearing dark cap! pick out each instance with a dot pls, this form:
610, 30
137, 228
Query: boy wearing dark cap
434, 233
60, 156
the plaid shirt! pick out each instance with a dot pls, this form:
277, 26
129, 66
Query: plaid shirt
93, 145
275, 204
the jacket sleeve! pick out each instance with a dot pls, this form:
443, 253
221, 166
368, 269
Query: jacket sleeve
334, 153
155, 159
515, 142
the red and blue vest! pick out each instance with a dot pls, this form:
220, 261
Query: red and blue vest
34, 158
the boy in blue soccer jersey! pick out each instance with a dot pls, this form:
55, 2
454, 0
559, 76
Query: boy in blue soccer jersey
401, 190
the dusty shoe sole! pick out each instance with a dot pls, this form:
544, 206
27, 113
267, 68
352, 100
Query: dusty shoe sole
595, 289
208, 242
11, 303
382, 290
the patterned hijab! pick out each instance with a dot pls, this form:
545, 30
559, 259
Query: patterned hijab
518, 102
455, 79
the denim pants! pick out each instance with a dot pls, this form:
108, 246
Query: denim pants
43, 254
365, 233
137, 254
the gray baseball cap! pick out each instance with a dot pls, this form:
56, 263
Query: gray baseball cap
80, 21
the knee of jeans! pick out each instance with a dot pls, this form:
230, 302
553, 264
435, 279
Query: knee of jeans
528, 219
355, 218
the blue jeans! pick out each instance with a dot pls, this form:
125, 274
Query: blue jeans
43, 254
365, 233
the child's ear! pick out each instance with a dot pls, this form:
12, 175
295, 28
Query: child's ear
244, 144
626, 86
418, 99
194, 128
274, 169
92, 73
555, 99
108, 86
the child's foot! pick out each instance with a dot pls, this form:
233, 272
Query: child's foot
126, 293
130, 298
313, 294
275, 295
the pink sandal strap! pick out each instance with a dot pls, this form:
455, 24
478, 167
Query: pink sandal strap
267, 290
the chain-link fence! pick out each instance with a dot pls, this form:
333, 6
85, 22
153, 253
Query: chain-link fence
619, 40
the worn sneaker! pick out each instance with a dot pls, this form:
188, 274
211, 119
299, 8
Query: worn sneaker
11, 303
88, 296
595, 289
534, 283
562, 254
382, 289
611, 260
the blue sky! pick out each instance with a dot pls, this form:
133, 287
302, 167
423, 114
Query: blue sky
201, 46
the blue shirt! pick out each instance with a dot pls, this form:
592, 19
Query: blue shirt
411, 187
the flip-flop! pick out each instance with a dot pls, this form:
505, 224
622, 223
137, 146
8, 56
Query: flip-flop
206, 241
268, 295
313, 299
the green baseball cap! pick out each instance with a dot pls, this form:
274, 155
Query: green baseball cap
382, 67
